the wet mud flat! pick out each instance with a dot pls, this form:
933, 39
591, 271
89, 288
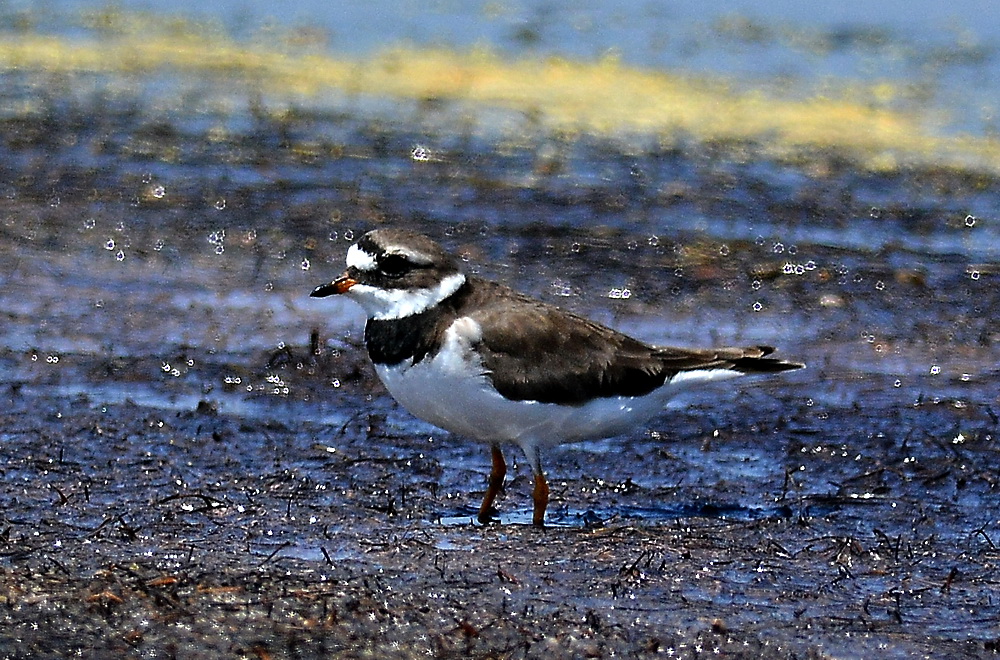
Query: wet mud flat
196, 459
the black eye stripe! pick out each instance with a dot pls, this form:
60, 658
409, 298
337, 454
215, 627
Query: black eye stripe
394, 265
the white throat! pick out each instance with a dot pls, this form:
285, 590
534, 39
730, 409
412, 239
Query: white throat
391, 304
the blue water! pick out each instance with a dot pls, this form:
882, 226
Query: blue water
944, 55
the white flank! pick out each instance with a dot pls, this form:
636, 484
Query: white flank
389, 304
703, 376
358, 258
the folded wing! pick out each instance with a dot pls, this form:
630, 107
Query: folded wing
581, 359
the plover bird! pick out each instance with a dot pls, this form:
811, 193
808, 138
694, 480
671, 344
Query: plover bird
481, 360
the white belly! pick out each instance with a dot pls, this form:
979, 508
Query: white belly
471, 407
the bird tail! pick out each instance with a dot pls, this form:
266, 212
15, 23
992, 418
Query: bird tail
754, 360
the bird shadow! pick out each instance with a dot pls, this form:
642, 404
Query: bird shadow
590, 518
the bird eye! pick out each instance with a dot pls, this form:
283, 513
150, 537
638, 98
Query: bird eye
393, 265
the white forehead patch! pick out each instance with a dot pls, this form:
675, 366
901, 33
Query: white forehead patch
358, 258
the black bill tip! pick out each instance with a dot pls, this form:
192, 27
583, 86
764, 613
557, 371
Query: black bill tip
336, 287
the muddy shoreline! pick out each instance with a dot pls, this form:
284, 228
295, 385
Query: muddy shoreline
198, 462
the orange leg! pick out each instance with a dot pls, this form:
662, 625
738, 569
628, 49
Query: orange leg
541, 497
497, 474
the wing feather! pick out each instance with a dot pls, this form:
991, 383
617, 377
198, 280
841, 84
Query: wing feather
565, 358
569, 359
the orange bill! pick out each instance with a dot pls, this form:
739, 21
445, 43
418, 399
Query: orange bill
340, 285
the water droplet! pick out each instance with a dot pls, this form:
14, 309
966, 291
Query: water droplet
220, 204
760, 240
653, 241
335, 382
724, 250
268, 286
348, 235
305, 264
970, 221
120, 256
897, 383
89, 223
158, 245
110, 245
219, 249
935, 370
420, 153
757, 306
778, 248
562, 288
333, 236
755, 285
875, 213
158, 191
54, 202
880, 285
974, 275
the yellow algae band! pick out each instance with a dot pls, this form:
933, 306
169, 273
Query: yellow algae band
602, 98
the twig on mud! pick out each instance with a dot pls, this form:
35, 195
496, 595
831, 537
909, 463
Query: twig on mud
211, 503
129, 532
982, 532
275, 552
948, 581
